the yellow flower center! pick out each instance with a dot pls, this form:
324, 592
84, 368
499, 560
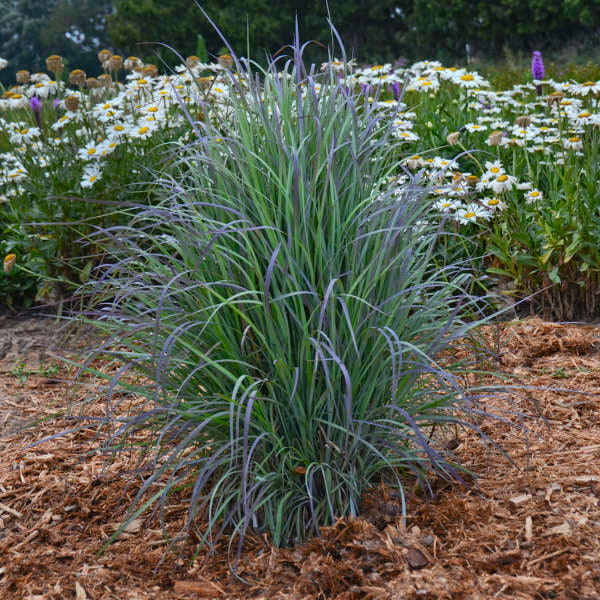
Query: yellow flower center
584, 114
153, 109
469, 215
93, 178
142, 81
143, 130
493, 202
91, 151
589, 83
118, 128
494, 170
502, 178
377, 68
106, 107
467, 77
534, 194
574, 139
24, 131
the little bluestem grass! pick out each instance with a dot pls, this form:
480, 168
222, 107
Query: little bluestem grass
283, 303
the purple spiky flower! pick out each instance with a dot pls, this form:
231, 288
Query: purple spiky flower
537, 65
537, 69
36, 107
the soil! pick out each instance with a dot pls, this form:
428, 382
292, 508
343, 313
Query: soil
531, 529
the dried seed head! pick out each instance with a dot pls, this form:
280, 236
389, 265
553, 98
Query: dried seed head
115, 63
555, 97
205, 82
77, 77
72, 103
226, 61
104, 55
131, 62
54, 63
452, 138
150, 70
23, 76
192, 61
495, 138
92, 83
523, 121
105, 80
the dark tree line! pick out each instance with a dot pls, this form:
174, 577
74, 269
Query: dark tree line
372, 30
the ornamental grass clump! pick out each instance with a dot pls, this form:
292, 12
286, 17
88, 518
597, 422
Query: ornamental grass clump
284, 307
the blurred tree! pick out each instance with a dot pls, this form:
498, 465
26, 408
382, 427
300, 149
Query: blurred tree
368, 27
30, 30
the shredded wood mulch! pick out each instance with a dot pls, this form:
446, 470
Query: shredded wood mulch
530, 530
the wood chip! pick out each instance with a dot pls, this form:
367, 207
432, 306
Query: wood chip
80, 592
520, 500
133, 527
416, 559
528, 529
586, 479
562, 529
201, 589
11, 511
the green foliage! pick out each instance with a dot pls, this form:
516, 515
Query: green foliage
30, 30
201, 50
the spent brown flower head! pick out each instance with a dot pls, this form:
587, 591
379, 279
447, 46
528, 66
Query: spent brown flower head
77, 77
54, 64
104, 55
23, 76
115, 63
226, 61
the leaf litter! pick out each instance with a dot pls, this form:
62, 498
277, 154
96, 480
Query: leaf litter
531, 530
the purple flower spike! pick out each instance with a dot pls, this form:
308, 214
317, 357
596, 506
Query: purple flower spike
537, 69
537, 65
396, 90
36, 104
36, 107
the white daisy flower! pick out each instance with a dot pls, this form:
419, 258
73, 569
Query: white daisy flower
503, 183
475, 127
471, 213
448, 205
533, 196
90, 176
493, 204
573, 143
89, 151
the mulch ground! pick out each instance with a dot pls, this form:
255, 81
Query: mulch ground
531, 530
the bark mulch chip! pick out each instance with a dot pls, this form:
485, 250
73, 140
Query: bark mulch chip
531, 529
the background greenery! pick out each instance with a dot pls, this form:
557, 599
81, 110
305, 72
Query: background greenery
379, 30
